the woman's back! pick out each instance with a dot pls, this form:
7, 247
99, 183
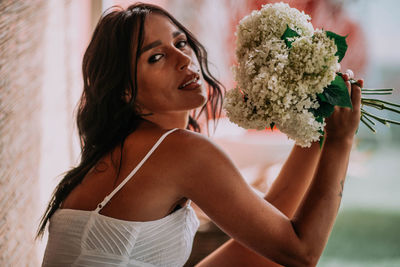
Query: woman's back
149, 195
79, 235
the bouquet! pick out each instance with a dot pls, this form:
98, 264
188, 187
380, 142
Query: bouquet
288, 76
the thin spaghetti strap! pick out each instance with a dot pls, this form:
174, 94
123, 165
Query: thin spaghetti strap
108, 197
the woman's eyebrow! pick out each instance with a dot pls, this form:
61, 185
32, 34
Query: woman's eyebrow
176, 33
158, 42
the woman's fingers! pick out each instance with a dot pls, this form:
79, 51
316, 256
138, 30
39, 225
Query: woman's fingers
350, 73
344, 121
348, 84
345, 77
356, 96
361, 83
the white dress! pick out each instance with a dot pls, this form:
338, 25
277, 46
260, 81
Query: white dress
88, 238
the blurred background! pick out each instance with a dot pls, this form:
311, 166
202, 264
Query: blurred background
41, 47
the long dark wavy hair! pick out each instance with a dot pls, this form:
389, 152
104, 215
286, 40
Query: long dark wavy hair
104, 117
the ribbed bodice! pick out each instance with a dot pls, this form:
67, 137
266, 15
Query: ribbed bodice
88, 238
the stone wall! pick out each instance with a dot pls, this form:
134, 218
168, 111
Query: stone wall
21, 60
41, 48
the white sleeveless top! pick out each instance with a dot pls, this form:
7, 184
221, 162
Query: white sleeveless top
88, 238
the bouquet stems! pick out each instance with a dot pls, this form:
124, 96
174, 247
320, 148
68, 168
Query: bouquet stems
367, 117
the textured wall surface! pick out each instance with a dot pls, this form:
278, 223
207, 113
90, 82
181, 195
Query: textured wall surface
21, 61
67, 31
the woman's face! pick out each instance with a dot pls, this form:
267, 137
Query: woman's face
168, 73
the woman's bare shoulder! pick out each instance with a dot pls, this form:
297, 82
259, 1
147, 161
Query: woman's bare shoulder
182, 150
195, 148
200, 158
197, 156
194, 143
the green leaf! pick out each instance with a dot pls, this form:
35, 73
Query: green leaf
319, 119
289, 33
322, 132
340, 42
337, 93
325, 109
321, 97
321, 141
321, 138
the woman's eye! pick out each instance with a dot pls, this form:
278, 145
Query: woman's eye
181, 44
155, 58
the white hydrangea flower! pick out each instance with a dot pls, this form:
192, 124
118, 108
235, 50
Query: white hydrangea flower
276, 84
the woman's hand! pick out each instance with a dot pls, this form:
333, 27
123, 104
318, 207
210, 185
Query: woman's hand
343, 122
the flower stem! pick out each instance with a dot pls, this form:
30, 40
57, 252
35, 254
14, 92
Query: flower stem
381, 120
368, 119
366, 124
374, 105
378, 100
379, 106
387, 93
377, 90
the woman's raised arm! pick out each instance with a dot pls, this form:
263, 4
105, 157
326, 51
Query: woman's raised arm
285, 194
213, 182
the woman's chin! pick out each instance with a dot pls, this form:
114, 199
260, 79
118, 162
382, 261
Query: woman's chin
196, 100
201, 101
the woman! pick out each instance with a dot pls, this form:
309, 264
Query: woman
128, 201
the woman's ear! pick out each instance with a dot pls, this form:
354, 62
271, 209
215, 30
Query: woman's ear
126, 96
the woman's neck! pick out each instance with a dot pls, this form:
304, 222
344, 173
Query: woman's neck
169, 120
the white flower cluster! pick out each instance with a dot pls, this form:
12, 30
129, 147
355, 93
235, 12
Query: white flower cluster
277, 84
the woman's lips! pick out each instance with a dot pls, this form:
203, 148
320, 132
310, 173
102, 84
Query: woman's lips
192, 84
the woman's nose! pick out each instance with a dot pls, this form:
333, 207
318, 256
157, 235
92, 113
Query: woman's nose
184, 60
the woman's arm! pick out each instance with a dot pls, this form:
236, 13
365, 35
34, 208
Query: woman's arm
294, 178
213, 182
285, 194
